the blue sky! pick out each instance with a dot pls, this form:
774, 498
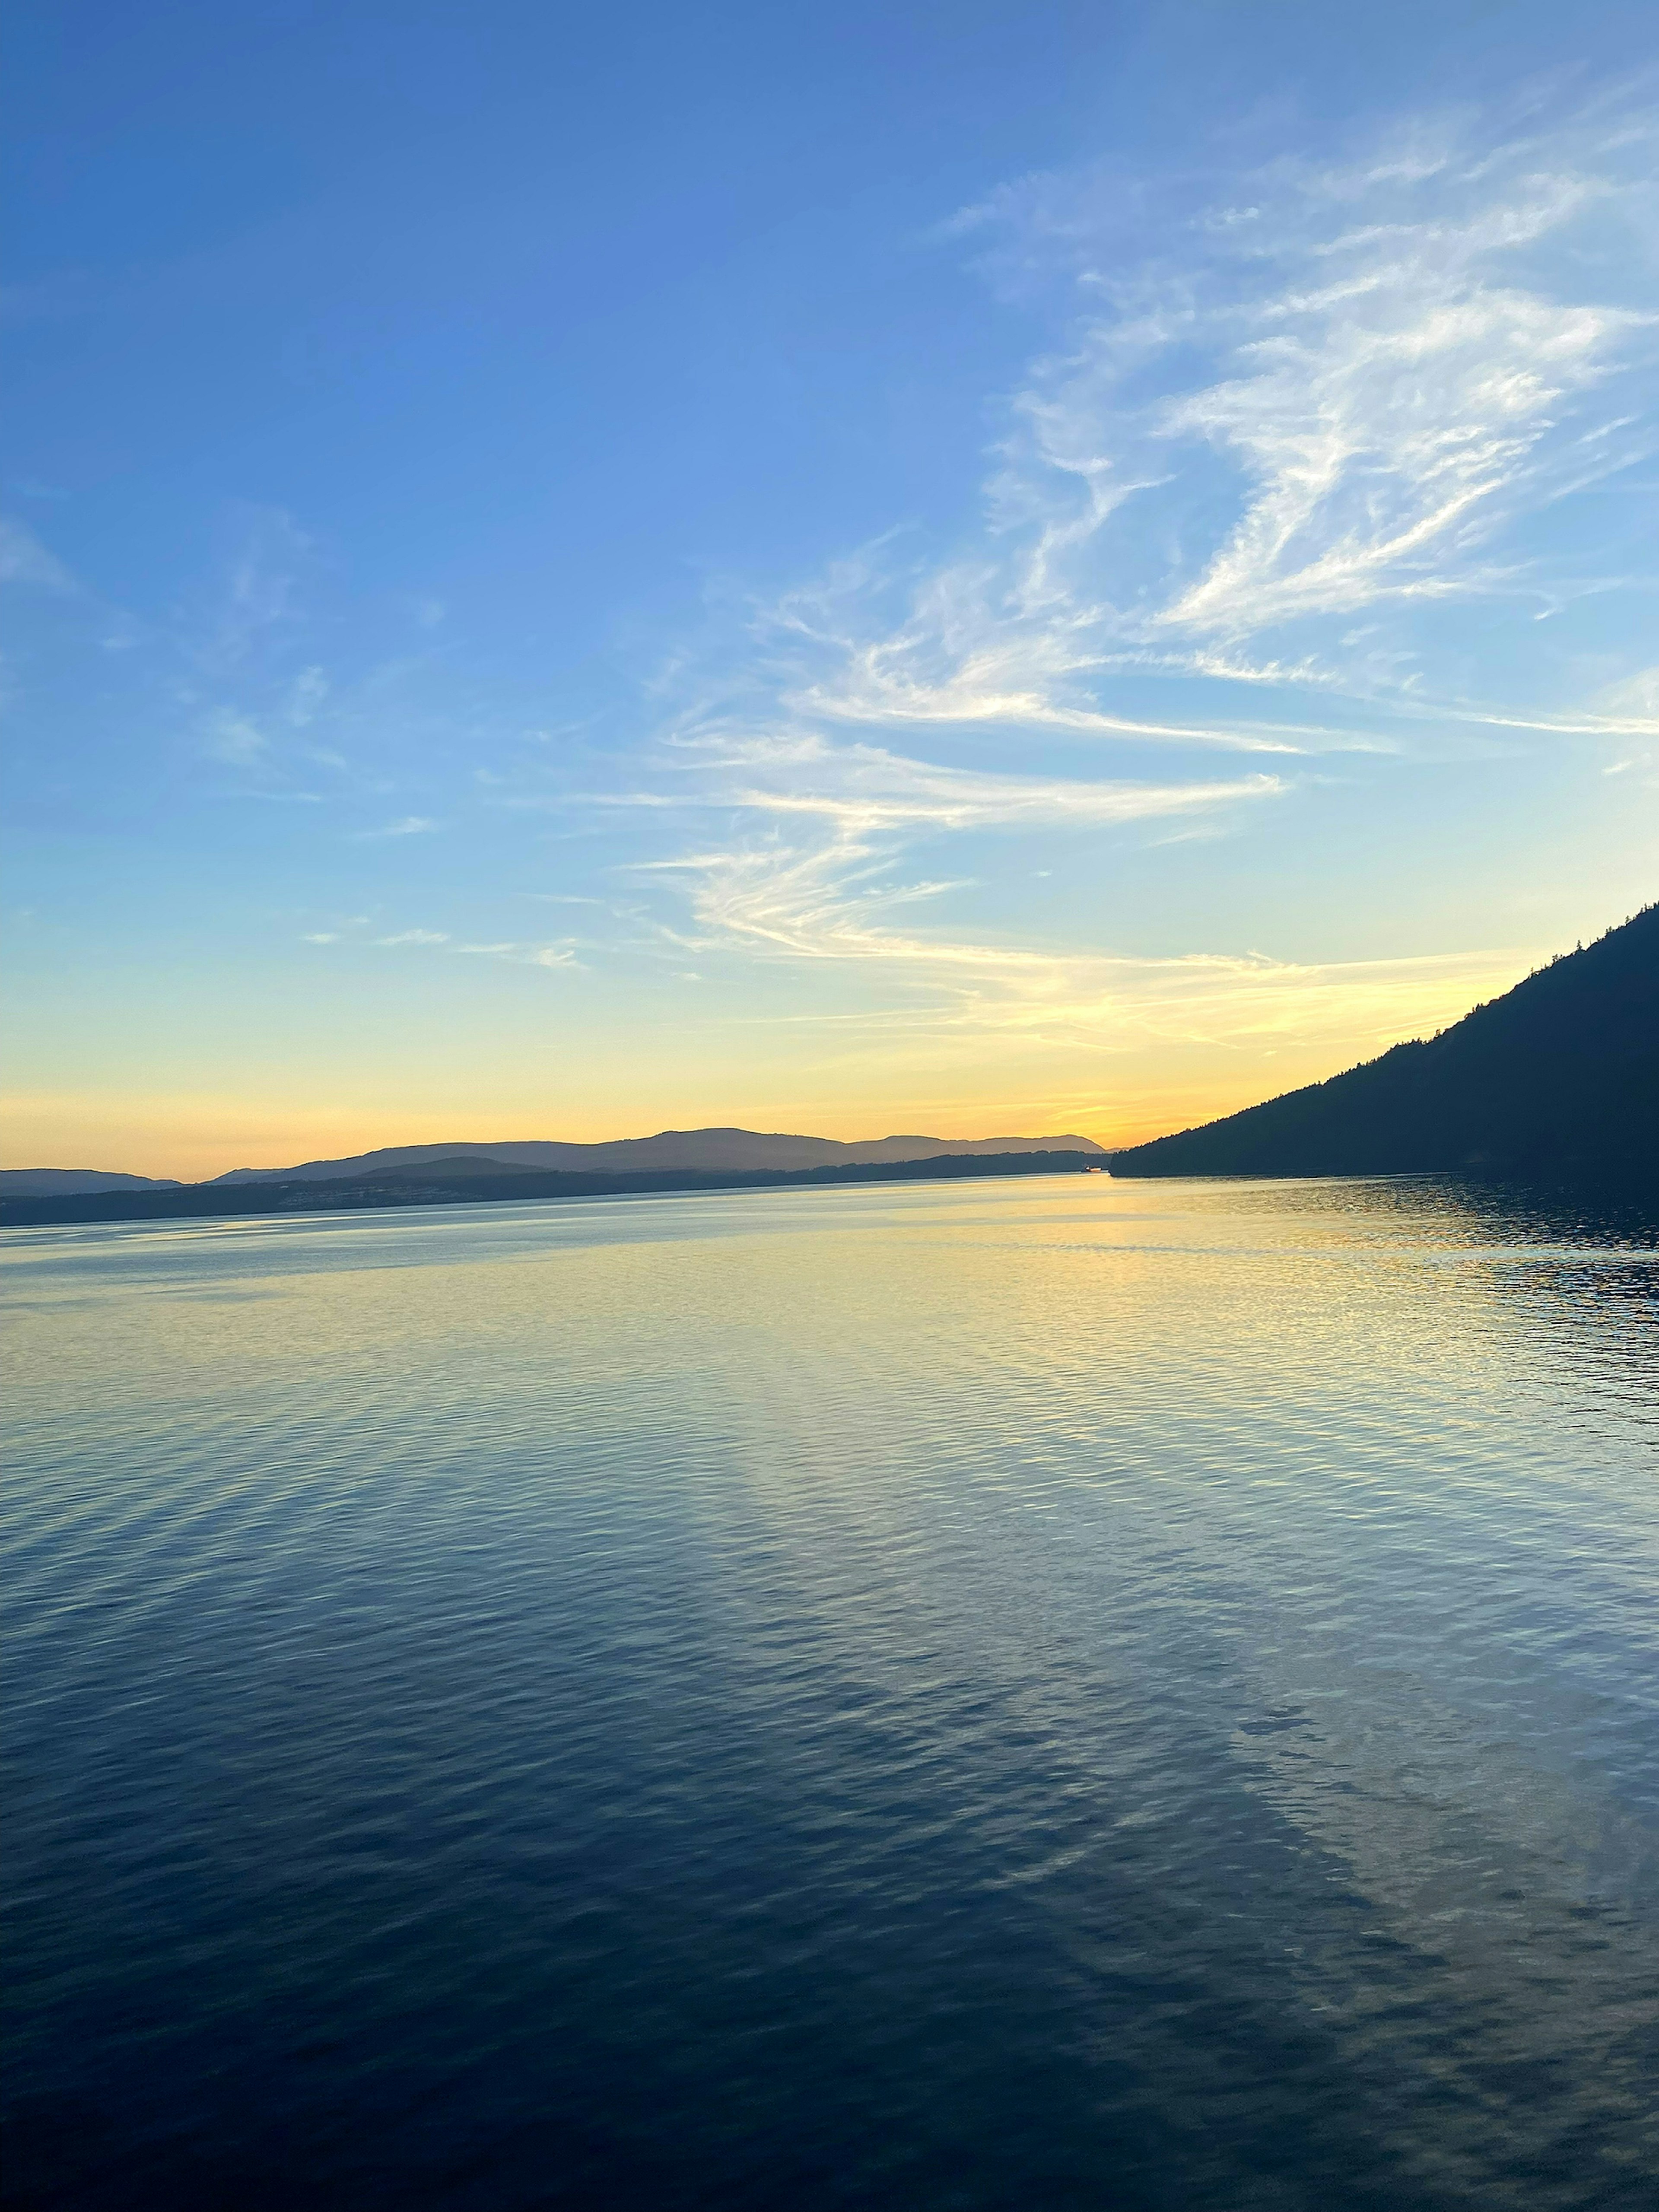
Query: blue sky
966, 568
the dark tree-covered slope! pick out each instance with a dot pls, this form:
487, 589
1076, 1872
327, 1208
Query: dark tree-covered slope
1559, 1079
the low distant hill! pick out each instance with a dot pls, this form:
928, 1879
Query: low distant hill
704, 1151
470, 1181
73, 1183
1557, 1080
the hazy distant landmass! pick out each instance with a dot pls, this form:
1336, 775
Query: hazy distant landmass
1558, 1079
700, 1150
469, 1178
65, 1182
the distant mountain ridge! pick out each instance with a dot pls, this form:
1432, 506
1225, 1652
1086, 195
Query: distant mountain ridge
679, 1150
481, 1181
75, 1182
1558, 1079
702, 1150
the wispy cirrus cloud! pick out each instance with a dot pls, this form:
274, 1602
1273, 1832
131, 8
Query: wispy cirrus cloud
1388, 424
406, 825
1288, 415
837, 902
258, 605
817, 869
249, 680
1289, 399
235, 739
1285, 420
527, 956
560, 954
862, 787
25, 560
961, 654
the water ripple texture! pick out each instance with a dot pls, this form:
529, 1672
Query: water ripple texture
1041, 1694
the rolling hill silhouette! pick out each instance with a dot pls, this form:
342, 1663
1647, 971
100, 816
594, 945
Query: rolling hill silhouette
697, 1151
1557, 1080
468, 1179
75, 1182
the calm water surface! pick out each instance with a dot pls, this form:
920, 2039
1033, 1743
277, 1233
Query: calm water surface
1051, 1693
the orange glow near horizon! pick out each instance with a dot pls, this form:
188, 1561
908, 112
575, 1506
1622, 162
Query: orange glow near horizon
1204, 1044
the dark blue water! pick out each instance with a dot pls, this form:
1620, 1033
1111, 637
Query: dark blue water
1048, 1693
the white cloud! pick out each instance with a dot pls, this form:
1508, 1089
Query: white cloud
260, 593
308, 692
1631, 706
527, 956
235, 739
813, 904
25, 560
509, 949
830, 894
1382, 430
862, 789
409, 825
1325, 393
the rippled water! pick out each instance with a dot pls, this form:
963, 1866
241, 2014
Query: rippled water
1053, 1693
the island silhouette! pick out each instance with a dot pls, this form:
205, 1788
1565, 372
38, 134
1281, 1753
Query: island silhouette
438, 1175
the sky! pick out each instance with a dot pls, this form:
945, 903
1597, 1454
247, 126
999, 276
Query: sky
972, 570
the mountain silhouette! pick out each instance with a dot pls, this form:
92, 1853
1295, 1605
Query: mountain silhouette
700, 1150
1557, 1080
469, 1180
75, 1182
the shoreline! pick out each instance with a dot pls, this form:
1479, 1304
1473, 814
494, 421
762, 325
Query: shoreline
195, 1201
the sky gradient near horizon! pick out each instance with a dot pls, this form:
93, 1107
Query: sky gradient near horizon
980, 569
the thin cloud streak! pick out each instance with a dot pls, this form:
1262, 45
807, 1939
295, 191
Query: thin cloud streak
868, 787
411, 825
25, 560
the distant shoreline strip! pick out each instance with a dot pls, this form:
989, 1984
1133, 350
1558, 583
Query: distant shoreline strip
199, 1201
